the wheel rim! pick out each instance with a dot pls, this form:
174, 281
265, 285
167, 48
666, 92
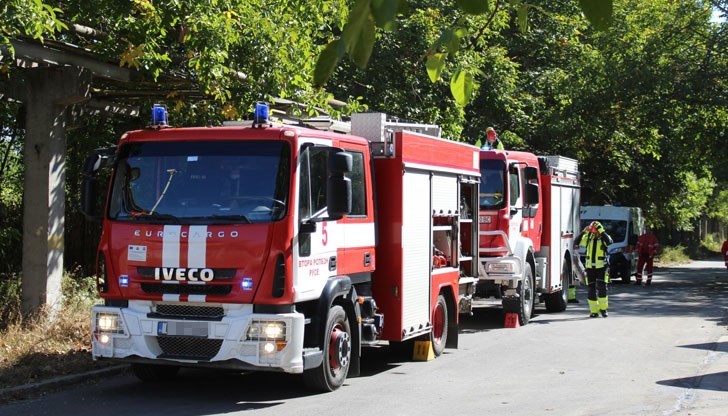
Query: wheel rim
339, 348
438, 322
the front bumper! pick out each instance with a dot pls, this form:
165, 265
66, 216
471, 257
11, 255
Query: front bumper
506, 270
137, 334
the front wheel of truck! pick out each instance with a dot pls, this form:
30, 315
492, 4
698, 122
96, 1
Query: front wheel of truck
337, 346
154, 372
523, 303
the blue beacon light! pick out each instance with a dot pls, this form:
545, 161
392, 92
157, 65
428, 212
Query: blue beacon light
260, 116
159, 115
247, 283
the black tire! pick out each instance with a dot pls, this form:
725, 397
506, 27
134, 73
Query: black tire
440, 326
332, 372
524, 303
154, 372
557, 301
625, 271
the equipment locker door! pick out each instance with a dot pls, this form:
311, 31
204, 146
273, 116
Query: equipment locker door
416, 251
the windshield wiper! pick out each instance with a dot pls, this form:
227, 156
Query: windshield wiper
231, 217
156, 216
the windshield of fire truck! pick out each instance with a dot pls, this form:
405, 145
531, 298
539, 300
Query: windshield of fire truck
492, 173
615, 228
201, 182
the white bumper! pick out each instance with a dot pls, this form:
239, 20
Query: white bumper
135, 333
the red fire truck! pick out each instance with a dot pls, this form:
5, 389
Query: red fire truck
529, 214
280, 247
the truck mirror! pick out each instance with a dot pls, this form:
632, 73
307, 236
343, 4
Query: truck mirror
531, 173
99, 159
308, 227
531, 194
340, 162
89, 196
338, 198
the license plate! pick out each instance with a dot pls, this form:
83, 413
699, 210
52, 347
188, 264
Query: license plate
183, 329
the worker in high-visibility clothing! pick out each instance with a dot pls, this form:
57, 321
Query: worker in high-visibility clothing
647, 247
595, 240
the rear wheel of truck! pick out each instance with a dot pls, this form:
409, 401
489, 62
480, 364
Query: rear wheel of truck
438, 336
557, 301
337, 345
626, 273
523, 303
154, 372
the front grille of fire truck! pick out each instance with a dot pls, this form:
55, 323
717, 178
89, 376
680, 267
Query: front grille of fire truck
217, 290
189, 348
189, 311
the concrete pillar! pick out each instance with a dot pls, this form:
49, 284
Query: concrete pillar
47, 93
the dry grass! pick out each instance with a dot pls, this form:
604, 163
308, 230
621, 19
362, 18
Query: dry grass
39, 348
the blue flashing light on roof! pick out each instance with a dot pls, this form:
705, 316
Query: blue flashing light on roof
260, 116
159, 115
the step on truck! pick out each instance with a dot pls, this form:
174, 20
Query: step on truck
528, 217
281, 246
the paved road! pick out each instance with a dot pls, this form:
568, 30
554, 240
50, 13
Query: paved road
662, 351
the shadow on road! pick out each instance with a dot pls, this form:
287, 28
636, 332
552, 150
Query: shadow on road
714, 382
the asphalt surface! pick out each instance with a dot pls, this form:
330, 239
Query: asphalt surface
662, 351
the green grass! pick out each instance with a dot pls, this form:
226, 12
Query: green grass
672, 255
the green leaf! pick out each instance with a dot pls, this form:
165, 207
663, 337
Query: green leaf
473, 6
385, 13
598, 12
327, 61
362, 50
435, 64
523, 18
360, 14
461, 86
450, 40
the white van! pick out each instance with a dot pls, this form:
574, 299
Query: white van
624, 225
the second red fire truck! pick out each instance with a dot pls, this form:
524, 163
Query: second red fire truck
529, 214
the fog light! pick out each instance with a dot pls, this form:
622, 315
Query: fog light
104, 339
269, 347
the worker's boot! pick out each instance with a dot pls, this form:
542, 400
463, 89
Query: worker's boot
604, 313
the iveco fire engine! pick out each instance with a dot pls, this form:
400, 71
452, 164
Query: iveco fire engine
281, 247
529, 212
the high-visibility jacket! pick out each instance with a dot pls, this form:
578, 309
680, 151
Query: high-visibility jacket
595, 248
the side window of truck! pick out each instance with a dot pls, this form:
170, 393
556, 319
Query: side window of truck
312, 190
513, 185
358, 189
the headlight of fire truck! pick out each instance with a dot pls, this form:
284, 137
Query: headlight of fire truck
504, 266
107, 324
270, 334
